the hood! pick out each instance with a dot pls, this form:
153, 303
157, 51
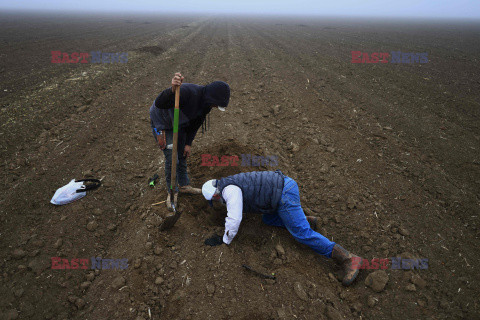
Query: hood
217, 93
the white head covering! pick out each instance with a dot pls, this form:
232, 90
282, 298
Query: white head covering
208, 189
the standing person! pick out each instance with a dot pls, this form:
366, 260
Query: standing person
196, 102
277, 197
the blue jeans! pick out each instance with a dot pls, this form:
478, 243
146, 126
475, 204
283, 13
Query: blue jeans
182, 175
290, 216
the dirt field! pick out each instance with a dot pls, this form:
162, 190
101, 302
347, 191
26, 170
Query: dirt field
386, 154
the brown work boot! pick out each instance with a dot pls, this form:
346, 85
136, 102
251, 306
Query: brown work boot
313, 221
349, 263
190, 190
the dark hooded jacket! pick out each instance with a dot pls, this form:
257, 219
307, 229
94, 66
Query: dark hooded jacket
195, 103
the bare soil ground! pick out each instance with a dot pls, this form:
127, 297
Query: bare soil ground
386, 155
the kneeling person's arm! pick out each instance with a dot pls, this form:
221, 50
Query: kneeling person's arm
234, 200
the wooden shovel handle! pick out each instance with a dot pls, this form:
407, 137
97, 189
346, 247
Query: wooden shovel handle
176, 119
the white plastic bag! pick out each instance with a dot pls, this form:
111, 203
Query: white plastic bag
74, 190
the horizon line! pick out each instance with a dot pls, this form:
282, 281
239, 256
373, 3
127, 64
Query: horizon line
226, 13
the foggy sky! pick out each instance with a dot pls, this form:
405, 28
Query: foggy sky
366, 8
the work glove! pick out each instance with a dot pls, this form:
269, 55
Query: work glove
215, 240
153, 180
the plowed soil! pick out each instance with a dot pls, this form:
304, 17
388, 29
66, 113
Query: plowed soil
387, 155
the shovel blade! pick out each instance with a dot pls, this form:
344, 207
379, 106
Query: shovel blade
170, 220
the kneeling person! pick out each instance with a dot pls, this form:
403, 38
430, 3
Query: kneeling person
277, 197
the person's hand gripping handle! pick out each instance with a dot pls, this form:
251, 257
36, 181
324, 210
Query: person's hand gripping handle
177, 81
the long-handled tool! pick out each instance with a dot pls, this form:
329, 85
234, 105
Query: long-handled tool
261, 275
172, 218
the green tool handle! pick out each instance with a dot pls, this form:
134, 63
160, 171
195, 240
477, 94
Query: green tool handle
176, 116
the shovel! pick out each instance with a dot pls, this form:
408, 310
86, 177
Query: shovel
172, 217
